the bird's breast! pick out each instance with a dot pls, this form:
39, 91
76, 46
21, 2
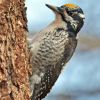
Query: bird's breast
53, 48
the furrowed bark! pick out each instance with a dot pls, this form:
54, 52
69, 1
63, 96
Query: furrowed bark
14, 54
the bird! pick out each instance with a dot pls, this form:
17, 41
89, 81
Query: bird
53, 47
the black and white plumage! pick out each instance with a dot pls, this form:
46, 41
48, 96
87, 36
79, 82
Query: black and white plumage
53, 47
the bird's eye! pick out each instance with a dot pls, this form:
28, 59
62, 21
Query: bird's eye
69, 12
72, 13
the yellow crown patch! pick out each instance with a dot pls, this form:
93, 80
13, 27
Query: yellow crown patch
72, 6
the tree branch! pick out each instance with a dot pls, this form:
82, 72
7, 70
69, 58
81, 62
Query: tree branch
14, 54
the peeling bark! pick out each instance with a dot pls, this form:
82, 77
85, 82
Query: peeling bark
14, 54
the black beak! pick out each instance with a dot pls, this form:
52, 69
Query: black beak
53, 8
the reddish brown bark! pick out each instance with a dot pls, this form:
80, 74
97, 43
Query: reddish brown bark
14, 54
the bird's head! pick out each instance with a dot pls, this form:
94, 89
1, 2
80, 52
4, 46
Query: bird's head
70, 13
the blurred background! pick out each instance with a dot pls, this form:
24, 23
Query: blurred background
80, 80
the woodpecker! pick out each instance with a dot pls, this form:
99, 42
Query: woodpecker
53, 47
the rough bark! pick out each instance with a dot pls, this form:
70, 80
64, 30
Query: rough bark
14, 54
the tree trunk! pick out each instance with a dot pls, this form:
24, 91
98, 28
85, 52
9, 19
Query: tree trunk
14, 54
